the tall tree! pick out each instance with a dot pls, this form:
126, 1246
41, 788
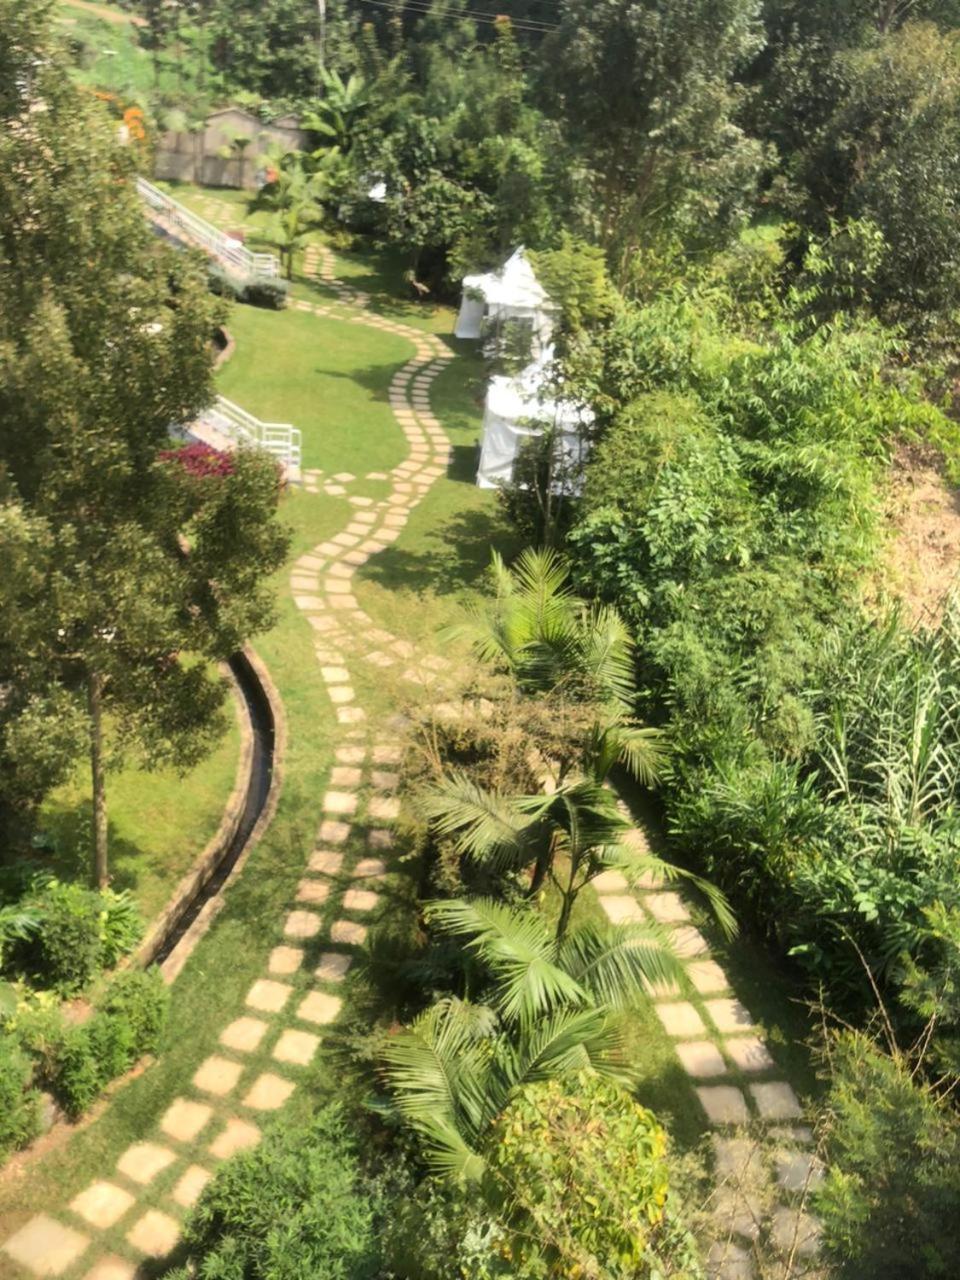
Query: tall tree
646, 92
104, 343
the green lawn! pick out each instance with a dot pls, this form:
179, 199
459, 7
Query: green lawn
158, 822
328, 378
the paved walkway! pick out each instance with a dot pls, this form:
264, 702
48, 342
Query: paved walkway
134, 1212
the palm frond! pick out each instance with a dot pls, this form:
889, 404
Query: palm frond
619, 963
568, 1040
438, 1069
644, 867
489, 827
518, 949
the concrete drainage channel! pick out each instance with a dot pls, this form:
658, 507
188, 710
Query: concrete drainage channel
199, 896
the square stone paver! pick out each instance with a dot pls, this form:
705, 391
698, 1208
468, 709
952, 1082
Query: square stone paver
707, 976
723, 1104
184, 1119
326, 861
340, 694
701, 1059
621, 908
738, 1160
313, 891
333, 966
44, 1246
301, 924
668, 908
688, 941
383, 808
387, 753
369, 869
776, 1101
243, 1035
729, 1015
335, 675
319, 1007
380, 838
729, 1261
610, 882
346, 776
217, 1075
155, 1234
350, 755
680, 1020
749, 1053
191, 1183
348, 932
341, 802
237, 1136
384, 781
268, 1092
297, 1047
792, 1230
333, 832
797, 1170
285, 960
267, 995
102, 1204
143, 1161
111, 1268
359, 900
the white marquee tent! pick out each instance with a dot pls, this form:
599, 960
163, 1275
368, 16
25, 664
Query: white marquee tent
511, 294
520, 409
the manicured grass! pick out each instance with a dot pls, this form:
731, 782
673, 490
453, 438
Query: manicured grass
327, 377
158, 821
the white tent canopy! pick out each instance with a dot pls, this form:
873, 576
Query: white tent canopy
497, 297
520, 409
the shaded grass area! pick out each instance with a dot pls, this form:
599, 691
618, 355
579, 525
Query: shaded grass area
159, 822
109, 55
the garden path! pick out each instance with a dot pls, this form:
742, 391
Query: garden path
132, 1215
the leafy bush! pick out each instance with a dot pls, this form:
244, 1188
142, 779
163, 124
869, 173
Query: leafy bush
891, 1198
266, 291
19, 1103
73, 933
579, 1174
294, 1207
257, 291
66, 950
121, 926
139, 998
127, 1024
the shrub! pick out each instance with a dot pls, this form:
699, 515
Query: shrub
225, 284
141, 1000
19, 1103
269, 292
294, 1207
579, 1175
128, 1023
121, 927
67, 949
890, 1202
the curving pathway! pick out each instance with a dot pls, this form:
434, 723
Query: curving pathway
133, 1212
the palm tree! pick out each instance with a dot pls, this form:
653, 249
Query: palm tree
294, 199
566, 837
552, 1010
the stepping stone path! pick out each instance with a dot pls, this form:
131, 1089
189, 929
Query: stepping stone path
133, 1212
735, 1079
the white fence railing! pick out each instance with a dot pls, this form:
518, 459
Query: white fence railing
206, 236
278, 438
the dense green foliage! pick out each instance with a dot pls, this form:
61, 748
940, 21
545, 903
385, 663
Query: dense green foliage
580, 1173
891, 1197
296, 1206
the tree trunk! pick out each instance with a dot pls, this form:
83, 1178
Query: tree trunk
540, 868
99, 864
